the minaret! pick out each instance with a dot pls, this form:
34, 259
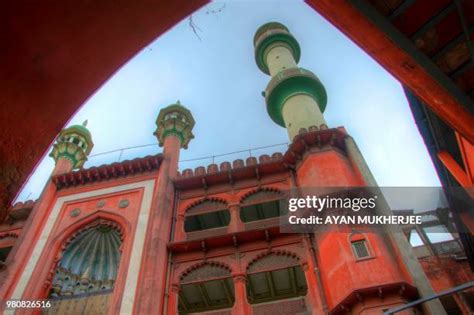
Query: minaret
174, 127
295, 97
296, 100
71, 149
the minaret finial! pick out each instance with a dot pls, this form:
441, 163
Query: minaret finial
85, 123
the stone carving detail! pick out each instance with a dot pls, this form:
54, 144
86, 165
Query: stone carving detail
88, 262
67, 283
261, 195
273, 261
101, 204
206, 205
75, 212
123, 203
205, 272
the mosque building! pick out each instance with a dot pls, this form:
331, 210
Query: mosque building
141, 237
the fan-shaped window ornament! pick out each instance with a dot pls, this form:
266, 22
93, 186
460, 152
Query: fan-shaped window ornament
89, 263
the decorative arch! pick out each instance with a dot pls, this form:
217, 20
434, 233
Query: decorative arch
107, 235
9, 234
89, 259
275, 275
112, 216
206, 286
256, 194
215, 269
273, 259
206, 205
262, 203
207, 213
67, 235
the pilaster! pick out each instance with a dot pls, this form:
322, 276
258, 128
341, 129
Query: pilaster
236, 224
241, 305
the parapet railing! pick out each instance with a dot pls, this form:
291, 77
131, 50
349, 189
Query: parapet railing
145, 149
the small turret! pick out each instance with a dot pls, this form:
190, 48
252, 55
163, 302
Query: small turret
175, 120
72, 147
174, 130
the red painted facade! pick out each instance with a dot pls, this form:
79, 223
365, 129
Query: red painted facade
150, 280
208, 240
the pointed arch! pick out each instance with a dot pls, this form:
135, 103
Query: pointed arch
94, 250
106, 215
66, 236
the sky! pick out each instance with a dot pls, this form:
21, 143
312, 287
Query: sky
211, 69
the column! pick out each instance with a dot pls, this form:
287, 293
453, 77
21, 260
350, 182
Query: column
235, 225
63, 166
173, 299
241, 305
180, 233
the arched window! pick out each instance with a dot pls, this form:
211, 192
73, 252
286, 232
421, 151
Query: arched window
274, 277
208, 287
263, 204
208, 214
89, 263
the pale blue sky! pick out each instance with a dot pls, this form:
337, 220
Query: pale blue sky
217, 79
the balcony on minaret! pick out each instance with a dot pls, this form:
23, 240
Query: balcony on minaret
295, 97
71, 149
175, 120
174, 130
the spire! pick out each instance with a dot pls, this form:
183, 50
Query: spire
85, 123
295, 97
